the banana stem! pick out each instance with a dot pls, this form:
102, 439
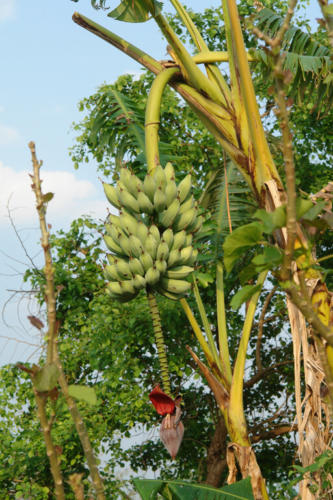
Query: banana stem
159, 339
222, 323
152, 119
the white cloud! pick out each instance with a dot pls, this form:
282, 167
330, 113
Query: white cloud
72, 197
7, 9
8, 135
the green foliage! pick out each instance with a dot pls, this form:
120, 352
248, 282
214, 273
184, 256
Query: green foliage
46, 378
83, 393
151, 489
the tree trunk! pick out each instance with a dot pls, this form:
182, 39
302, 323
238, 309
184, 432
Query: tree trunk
216, 456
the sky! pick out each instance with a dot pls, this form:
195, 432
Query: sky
47, 65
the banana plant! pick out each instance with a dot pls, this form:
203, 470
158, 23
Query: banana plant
230, 112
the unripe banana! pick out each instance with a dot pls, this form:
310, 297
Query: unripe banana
145, 204
114, 220
185, 255
125, 244
127, 287
179, 240
114, 287
191, 261
146, 261
167, 236
184, 188
184, 220
114, 247
149, 186
128, 201
142, 232
151, 245
159, 177
179, 272
155, 232
139, 282
123, 270
152, 276
124, 177
161, 266
159, 200
169, 295
170, 192
112, 259
188, 240
112, 194
174, 257
162, 251
168, 216
110, 273
175, 286
169, 172
196, 225
130, 181
136, 246
128, 223
186, 205
136, 267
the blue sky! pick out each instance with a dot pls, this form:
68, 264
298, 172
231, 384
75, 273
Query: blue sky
47, 64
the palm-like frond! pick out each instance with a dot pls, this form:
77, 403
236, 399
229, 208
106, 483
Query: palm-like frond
308, 60
239, 202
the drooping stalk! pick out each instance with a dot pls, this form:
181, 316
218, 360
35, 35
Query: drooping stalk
159, 340
152, 117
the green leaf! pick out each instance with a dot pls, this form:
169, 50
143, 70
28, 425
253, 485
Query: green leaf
315, 210
204, 278
238, 241
134, 11
302, 207
83, 393
269, 258
147, 488
46, 378
243, 295
181, 490
271, 220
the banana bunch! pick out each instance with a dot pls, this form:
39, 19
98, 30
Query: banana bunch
151, 238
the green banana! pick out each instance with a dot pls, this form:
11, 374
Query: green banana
125, 245
168, 216
128, 201
185, 255
127, 287
167, 237
188, 240
175, 286
114, 220
170, 192
114, 287
196, 225
110, 272
136, 267
193, 258
112, 259
174, 257
142, 232
162, 251
167, 294
184, 188
139, 282
128, 223
123, 270
114, 247
159, 200
151, 245
169, 172
155, 232
136, 246
145, 204
161, 266
186, 205
184, 220
152, 276
146, 261
149, 186
179, 272
159, 177
112, 194
179, 239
